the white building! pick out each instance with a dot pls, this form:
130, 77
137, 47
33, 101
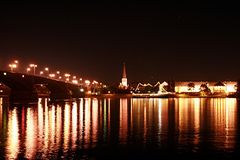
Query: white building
227, 87
124, 83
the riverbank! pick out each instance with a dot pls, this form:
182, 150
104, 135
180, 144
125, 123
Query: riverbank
165, 95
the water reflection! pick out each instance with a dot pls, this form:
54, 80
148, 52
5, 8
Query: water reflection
12, 145
61, 130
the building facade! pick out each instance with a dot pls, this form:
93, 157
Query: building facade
224, 87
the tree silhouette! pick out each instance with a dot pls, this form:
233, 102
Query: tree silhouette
191, 86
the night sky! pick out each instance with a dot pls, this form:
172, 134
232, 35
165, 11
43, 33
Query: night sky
158, 41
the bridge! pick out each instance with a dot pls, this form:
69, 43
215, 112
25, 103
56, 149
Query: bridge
20, 87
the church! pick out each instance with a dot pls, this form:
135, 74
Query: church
123, 84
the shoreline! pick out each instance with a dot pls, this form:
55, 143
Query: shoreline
159, 96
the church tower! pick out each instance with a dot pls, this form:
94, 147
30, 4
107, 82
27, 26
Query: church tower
124, 77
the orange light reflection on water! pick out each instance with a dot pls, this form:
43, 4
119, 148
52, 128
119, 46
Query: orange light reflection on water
94, 120
30, 134
74, 125
66, 130
13, 135
123, 128
46, 129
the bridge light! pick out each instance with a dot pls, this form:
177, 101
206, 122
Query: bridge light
67, 75
51, 75
75, 81
33, 66
12, 66
28, 70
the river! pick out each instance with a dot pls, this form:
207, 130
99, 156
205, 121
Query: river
121, 128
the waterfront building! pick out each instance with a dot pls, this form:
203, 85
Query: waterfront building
223, 87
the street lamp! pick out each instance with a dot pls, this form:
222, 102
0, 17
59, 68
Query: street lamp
67, 75
28, 70
33, 66
52, 75
12, 66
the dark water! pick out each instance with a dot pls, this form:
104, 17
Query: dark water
194, 128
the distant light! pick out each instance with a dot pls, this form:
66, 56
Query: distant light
16, 61
87, 82
67, 75
74, 77
58, 72
75, 81
13, 65
109, 92
46, 69
52, 75
81, 90
94, 82
41, 72
4, 73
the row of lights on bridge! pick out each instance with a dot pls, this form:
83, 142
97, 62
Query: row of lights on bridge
14, 65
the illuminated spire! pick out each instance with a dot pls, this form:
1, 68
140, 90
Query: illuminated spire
124, 75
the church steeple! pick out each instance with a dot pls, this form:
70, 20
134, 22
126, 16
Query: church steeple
124, 77
124, 74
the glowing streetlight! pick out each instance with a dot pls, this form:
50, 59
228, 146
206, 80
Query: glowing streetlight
12, 66
28, 70
94, 82
33, 66
75, 81
51, 75
41, 72
87, 82
67, 75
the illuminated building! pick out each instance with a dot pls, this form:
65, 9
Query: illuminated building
124, 84
224, 87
